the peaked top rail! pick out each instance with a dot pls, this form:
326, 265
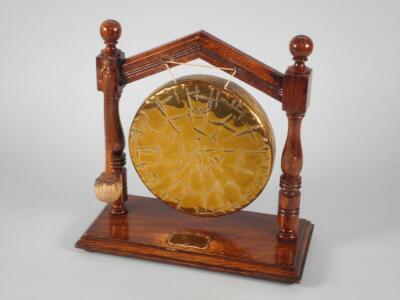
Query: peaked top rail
205, 46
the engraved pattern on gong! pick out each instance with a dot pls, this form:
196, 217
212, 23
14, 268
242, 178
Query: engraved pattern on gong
200, 148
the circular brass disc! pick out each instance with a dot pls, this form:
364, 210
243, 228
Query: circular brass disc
200, 148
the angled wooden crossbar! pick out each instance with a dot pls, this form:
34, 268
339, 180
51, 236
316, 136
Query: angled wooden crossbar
212, 50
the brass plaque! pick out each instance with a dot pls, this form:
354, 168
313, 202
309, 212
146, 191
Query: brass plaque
200, 148
194, 240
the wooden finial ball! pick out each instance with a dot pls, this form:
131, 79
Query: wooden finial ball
301, 47
110, 31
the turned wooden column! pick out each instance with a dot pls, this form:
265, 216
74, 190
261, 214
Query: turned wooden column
296, 87
108, 81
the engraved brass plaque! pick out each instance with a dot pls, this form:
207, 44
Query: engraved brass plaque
200, 148
194, 240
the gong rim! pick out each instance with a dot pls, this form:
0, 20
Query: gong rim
248, 101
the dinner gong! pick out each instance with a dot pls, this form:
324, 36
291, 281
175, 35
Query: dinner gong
201, 147
205, 149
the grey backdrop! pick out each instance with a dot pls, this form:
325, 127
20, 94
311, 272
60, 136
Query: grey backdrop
51, 132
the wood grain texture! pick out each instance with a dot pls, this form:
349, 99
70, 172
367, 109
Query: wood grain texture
108, 79
296, 94
243, 243
211, 49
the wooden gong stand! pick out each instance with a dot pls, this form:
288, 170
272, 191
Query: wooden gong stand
246, 243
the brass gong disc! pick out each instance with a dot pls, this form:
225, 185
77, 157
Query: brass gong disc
200, 148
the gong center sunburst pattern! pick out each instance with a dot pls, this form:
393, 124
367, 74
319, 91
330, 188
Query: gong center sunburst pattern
200, 148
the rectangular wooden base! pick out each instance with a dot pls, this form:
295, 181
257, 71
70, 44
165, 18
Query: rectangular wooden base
244, 243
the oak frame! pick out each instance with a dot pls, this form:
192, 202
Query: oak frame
292, 89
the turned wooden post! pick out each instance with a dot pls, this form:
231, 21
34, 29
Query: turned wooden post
296, 87
108, 81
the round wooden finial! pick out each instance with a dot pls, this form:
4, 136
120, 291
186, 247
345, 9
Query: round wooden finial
110, 31
301, 47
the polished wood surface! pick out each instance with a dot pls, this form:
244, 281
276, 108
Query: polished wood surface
108, 81
212, 50
243, 243
296, 94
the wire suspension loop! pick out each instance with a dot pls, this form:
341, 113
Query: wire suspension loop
201, 66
